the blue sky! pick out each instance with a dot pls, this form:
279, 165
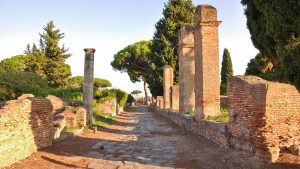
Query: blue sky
108, 26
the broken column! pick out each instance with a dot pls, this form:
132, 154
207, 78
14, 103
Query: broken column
186, 69
174, 98
207, 80
88, 83
167, 83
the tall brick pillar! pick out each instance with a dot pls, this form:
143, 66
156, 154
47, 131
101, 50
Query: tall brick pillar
167, 83
88, 83
207, 80
186, 69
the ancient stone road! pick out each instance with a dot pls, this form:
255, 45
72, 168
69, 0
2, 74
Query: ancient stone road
139, 140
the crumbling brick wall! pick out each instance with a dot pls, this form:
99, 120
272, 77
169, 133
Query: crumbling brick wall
25, 126
264, 116
57, 103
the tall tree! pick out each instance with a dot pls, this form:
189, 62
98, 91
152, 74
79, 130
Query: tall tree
226, 70
165, 42
275, 31
56, 70
48, 60
134, 59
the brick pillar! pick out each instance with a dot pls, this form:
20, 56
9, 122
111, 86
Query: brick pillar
160, 102
88, 83
167, 83
207, 80
174, 98
186, 69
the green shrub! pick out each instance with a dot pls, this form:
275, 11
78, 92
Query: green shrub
71, 94
15, 84
101, 83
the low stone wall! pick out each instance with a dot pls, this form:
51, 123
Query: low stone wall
75, 117
26, 125
213, 131
109, 107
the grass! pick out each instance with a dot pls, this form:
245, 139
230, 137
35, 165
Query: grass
223, 117
191, 113
101, 119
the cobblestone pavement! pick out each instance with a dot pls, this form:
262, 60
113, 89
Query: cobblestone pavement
141, 140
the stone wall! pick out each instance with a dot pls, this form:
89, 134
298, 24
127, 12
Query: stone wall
213, 131
264, 116
108, 107
26, 125
75, 117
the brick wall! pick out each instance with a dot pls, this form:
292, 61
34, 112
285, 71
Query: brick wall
264, 116
26, 125
57, 103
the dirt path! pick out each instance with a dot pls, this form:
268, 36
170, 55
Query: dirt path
141, 139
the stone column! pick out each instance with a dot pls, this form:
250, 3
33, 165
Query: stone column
174, 98
186, 69
167, 83
88, 83
207, 76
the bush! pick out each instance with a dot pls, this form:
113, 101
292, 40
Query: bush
77, 81
101, 83
14, 85
70, 94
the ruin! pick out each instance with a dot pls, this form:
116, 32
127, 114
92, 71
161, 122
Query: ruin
167, 83
186, 69
160, 102
88, 83
206, 48
26, 126
174, 99
264, 116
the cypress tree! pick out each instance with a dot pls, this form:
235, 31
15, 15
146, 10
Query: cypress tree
165, 42
226, 70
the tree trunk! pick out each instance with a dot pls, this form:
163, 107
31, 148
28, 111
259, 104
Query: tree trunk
145, 90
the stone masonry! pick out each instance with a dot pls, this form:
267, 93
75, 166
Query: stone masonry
26, 125
160, 102
167, 83
174, 98
207, 80
88, 83
186, 69
264, 116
